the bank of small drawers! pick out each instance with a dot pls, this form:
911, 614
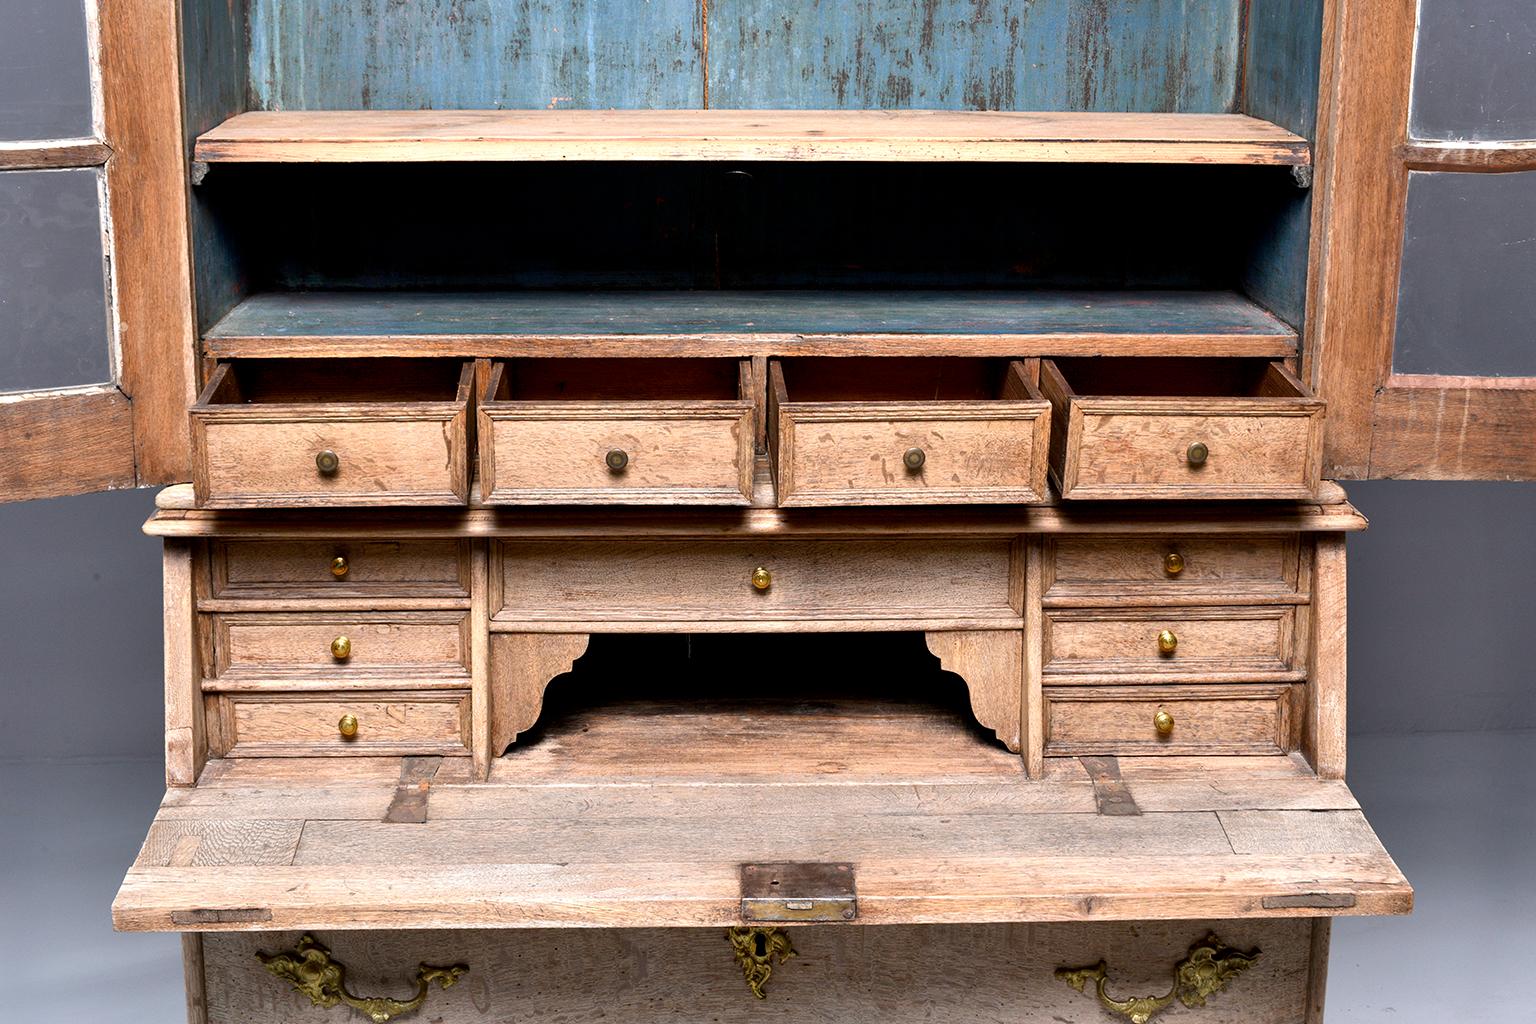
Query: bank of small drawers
321, 648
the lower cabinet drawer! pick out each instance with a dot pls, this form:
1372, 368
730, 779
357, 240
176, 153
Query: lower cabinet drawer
1242, 719
1204, 644
341, 645
962, 974
325, 724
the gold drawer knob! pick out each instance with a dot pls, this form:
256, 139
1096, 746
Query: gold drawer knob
616, 460
762, 579
328, 462
339, 566
1163, 723
1173, 563
913, 459
1167, 642
1197, 453
341, 648
347, 726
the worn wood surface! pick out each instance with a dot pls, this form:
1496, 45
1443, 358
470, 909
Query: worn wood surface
1082, 567
186, 740
905, 975
1324, 725
1246, 719
53, 153
1454, 428
991, 664
522, 665
304, 570
872, 135
1232, 643
305, 724
409, 643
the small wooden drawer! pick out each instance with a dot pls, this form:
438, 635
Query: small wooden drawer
1251, 719
305, 432
1217, 644
317, 724
343, 568
1093, 565
256, 644
1182, 428
869, 431
831, 584
618, 432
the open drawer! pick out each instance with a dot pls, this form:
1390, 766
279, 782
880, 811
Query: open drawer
617, 432
304, 432
1182, 428
871, 431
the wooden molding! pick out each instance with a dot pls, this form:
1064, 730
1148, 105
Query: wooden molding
53, 153
1496, 157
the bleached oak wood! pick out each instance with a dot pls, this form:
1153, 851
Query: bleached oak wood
411, 722
186, 742
1324, 721
992, 664
47, 430
481, 699
194, 978
1234, 643
1317, 973
874, 135
1137, 566
521, 666
401, 644
1033, 710
1250, 719
303, 570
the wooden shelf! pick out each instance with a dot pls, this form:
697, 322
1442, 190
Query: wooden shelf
508, 324
641, 814
351, 136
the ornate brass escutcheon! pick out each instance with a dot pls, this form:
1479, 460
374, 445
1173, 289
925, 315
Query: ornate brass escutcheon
755, 949
311, 970
1204, 972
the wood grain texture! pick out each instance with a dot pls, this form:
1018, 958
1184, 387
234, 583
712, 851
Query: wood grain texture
402, 644
522, 665
1219, 644
305, 724
874, 135
481, 698
992, 664
194, 980
53, 153
1033, 727
904, 975
45, 433
1111, 566
728, 323
1324, 723
1248, 719
186, 741
1495, 157
1428, 427
303, 570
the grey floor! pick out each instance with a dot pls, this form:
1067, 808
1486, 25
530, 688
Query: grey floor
1456, 810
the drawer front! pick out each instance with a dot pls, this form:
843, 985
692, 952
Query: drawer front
412, 643
698, 458
1121, 453
1222, 642
827, 583
311, 724
828, 457
1201, 720
1172, 565
429, 568
264, 459
960, 974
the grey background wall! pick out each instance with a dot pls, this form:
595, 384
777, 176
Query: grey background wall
1442, 618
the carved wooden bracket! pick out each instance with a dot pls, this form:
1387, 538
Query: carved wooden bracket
522, 665
991, 661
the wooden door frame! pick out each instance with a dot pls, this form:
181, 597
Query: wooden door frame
1382, 423
134, 429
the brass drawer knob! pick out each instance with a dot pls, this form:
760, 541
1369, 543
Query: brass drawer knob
347, 726
1173, 563
616, 460
341, 648
913, 459
762, 579
1197, 453
339, 566
1163, 723
1167, 642
328, 462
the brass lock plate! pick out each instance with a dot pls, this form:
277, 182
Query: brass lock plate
798, 891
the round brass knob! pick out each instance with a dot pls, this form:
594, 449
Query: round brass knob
616, 460
762, 579
347, 726
339, 566
1163, 723
341, 648
1173, 563
1197, 453
1167, 643
327, 462
913, 459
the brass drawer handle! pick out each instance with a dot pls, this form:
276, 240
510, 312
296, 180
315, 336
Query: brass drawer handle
312, 970
1173, 563
1203, 973
762, 579
913, 459
1163, 723
339, 566
756, 948
1167, 642
1197, 453
328, 462
347, 726
617, 460
341, 648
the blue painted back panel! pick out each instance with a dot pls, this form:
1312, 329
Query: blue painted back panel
409, 54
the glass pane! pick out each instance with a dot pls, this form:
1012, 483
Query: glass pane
1474, 72
45, 82
53, 301
1467, 295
